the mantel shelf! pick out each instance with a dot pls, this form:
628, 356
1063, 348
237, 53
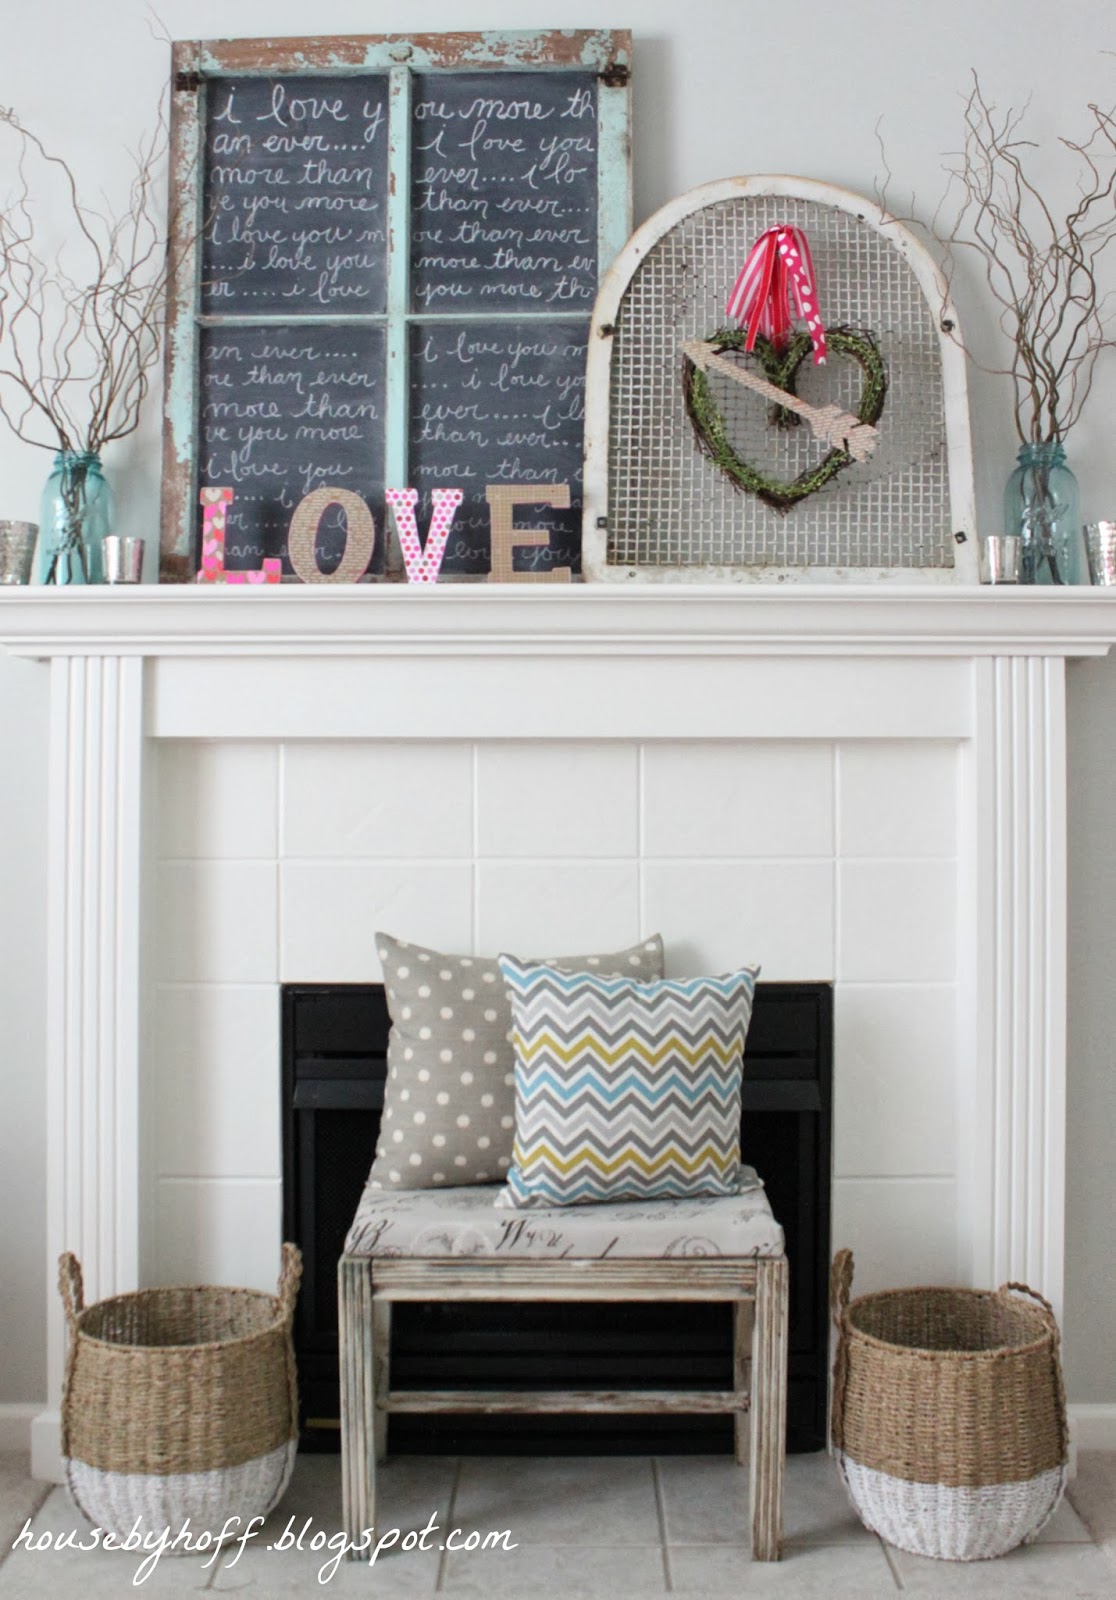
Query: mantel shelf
544, 620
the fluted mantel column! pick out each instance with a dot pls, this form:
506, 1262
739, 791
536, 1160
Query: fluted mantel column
93, 953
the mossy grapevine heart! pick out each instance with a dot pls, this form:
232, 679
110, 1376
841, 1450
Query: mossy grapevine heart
780, 368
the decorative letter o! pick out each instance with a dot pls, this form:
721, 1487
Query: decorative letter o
360, 536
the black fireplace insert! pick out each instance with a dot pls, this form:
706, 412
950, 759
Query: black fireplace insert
334, 1044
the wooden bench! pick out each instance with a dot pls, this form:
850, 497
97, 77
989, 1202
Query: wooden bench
452, 1244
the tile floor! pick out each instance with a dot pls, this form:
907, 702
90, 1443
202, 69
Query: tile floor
584, 1529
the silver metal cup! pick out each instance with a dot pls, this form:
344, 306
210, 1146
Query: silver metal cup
1100, 547
1000, 557
17, 551
123, 559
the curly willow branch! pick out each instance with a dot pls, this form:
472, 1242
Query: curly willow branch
79, 336
1042, 271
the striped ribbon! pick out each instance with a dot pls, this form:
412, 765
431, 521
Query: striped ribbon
779, 262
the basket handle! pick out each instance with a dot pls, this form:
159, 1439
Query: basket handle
840, 1285
1051, 1321
71, 1287
290, 1275
1033, 1294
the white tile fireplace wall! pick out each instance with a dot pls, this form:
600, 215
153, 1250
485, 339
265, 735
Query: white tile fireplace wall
820, 859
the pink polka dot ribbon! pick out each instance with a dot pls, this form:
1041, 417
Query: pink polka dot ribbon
215, 503
779, 262
423, 563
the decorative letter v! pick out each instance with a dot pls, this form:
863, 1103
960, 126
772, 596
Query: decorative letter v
423, 565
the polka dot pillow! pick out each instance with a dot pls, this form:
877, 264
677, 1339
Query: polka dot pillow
449, 1100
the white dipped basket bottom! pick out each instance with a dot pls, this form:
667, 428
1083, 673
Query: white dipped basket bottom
949, 1415
179, 1403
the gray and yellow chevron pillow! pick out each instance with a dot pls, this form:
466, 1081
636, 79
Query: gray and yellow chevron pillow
624, 1090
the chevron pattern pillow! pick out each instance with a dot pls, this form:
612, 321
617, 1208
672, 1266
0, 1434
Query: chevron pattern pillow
624, 1090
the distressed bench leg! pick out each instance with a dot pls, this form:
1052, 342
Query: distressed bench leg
743, 1315
769, 1409
381, 1374
358, 1452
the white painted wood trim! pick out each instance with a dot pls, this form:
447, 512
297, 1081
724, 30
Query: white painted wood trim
955, 385
376, 620
93, 955
46, 1446
1093, 1427
15, 1425
1029, 1059
1013, 1115
650, 696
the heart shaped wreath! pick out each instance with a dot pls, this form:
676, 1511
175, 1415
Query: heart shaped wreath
781, 369
777, 271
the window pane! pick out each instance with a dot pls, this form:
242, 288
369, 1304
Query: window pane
295, 196
499, 403
285, 410
504, 191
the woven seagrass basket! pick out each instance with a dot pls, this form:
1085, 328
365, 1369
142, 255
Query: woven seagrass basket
179, 1403
949, 1415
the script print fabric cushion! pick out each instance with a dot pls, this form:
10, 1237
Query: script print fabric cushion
449, 1099
625, 1090
464, 1222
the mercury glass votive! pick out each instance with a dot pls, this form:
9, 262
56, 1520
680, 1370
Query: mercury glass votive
17, 551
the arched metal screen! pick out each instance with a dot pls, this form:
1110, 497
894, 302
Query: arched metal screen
669, 505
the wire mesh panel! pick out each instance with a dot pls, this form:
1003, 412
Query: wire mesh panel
669, 505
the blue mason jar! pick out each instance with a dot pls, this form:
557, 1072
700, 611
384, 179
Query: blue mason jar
1040, 505
76, 514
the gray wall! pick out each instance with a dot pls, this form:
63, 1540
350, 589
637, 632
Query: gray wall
722, 87
23, 856
1091, 1109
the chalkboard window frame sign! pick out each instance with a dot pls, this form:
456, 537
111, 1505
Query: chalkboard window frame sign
347, 348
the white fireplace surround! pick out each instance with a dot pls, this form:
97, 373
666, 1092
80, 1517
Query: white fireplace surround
967, 684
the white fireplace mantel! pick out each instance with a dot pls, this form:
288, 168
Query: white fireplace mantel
499, 619
981, 668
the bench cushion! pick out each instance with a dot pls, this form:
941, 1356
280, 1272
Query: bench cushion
466, 1222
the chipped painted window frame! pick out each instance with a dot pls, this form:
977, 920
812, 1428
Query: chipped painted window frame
195, 64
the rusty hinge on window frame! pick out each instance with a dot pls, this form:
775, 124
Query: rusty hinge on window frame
187, 82
616, 75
